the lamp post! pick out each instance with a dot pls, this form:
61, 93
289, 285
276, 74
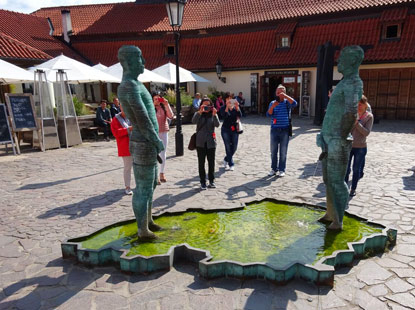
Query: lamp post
175, 10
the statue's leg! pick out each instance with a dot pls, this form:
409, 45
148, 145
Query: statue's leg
337, 165
143, 192
151, 225
328, 216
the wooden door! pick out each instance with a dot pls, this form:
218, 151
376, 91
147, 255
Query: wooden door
391, 92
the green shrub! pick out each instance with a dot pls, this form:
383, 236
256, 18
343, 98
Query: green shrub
111, 97
80, 107
214, 93
186, 99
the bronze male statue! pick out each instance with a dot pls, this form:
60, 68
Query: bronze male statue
335, 138
145, 144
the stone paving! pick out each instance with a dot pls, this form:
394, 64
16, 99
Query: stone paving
48, 197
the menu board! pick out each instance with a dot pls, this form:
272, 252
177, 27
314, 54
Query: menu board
5, 134
22, 111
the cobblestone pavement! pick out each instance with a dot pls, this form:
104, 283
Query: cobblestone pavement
48, 197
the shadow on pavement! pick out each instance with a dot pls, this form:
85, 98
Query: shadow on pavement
409, 182
311, 170
250, 187
84, 207
47, 184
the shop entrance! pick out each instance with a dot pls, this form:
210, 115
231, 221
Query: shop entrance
269, 83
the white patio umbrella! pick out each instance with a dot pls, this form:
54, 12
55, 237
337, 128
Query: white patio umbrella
100, 66
10, 74
145, 77
76, 71
168, 71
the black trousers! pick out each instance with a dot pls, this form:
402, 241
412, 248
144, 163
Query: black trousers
202, 153
105, 127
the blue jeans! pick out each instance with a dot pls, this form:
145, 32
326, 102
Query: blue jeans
230, 139
359, 155
279, 140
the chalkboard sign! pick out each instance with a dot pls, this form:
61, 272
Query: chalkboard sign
22, 111
5, 134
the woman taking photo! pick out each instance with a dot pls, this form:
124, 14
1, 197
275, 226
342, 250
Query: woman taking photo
121, 129
360, 131
164, 114
230, 113
206, 119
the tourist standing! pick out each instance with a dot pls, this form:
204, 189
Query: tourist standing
360, 131
115, 107
164, 114
121, 129
206, 119
279, 110
230, 113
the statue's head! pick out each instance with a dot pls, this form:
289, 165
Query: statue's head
350, 59
131, 59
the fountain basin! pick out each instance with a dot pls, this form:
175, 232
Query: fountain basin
270, 239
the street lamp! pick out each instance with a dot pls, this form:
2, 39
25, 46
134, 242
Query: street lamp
175, 10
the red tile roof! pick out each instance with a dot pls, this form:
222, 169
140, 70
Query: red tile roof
199, 14
257, 49
393, 15
12, 48
34, 32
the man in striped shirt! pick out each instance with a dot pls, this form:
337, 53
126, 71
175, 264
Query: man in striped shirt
279, 110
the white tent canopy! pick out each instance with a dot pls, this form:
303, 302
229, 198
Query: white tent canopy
76, 71
168, 71
10, 74
100, 66
145, 77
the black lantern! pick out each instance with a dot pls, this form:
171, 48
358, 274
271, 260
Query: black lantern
175, 10
219, 67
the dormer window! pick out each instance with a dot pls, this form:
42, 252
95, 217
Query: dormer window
392, 31
285, 42
170, 51
284, 35
392, 21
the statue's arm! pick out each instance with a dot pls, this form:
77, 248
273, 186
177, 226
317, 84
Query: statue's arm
143, 123
352, 96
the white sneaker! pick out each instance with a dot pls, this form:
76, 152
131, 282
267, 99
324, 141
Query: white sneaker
232, 168
281, 174
128, 191
272, 173
225, 164
227, 168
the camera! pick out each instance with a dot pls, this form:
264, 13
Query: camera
207, 108
161, 99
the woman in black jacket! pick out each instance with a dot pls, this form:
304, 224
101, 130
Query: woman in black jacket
230, 113
206, 120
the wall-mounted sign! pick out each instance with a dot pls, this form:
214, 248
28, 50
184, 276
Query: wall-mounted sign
305, 85
288, 80
305, 106
282, 72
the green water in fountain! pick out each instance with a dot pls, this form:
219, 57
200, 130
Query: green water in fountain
278, 234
